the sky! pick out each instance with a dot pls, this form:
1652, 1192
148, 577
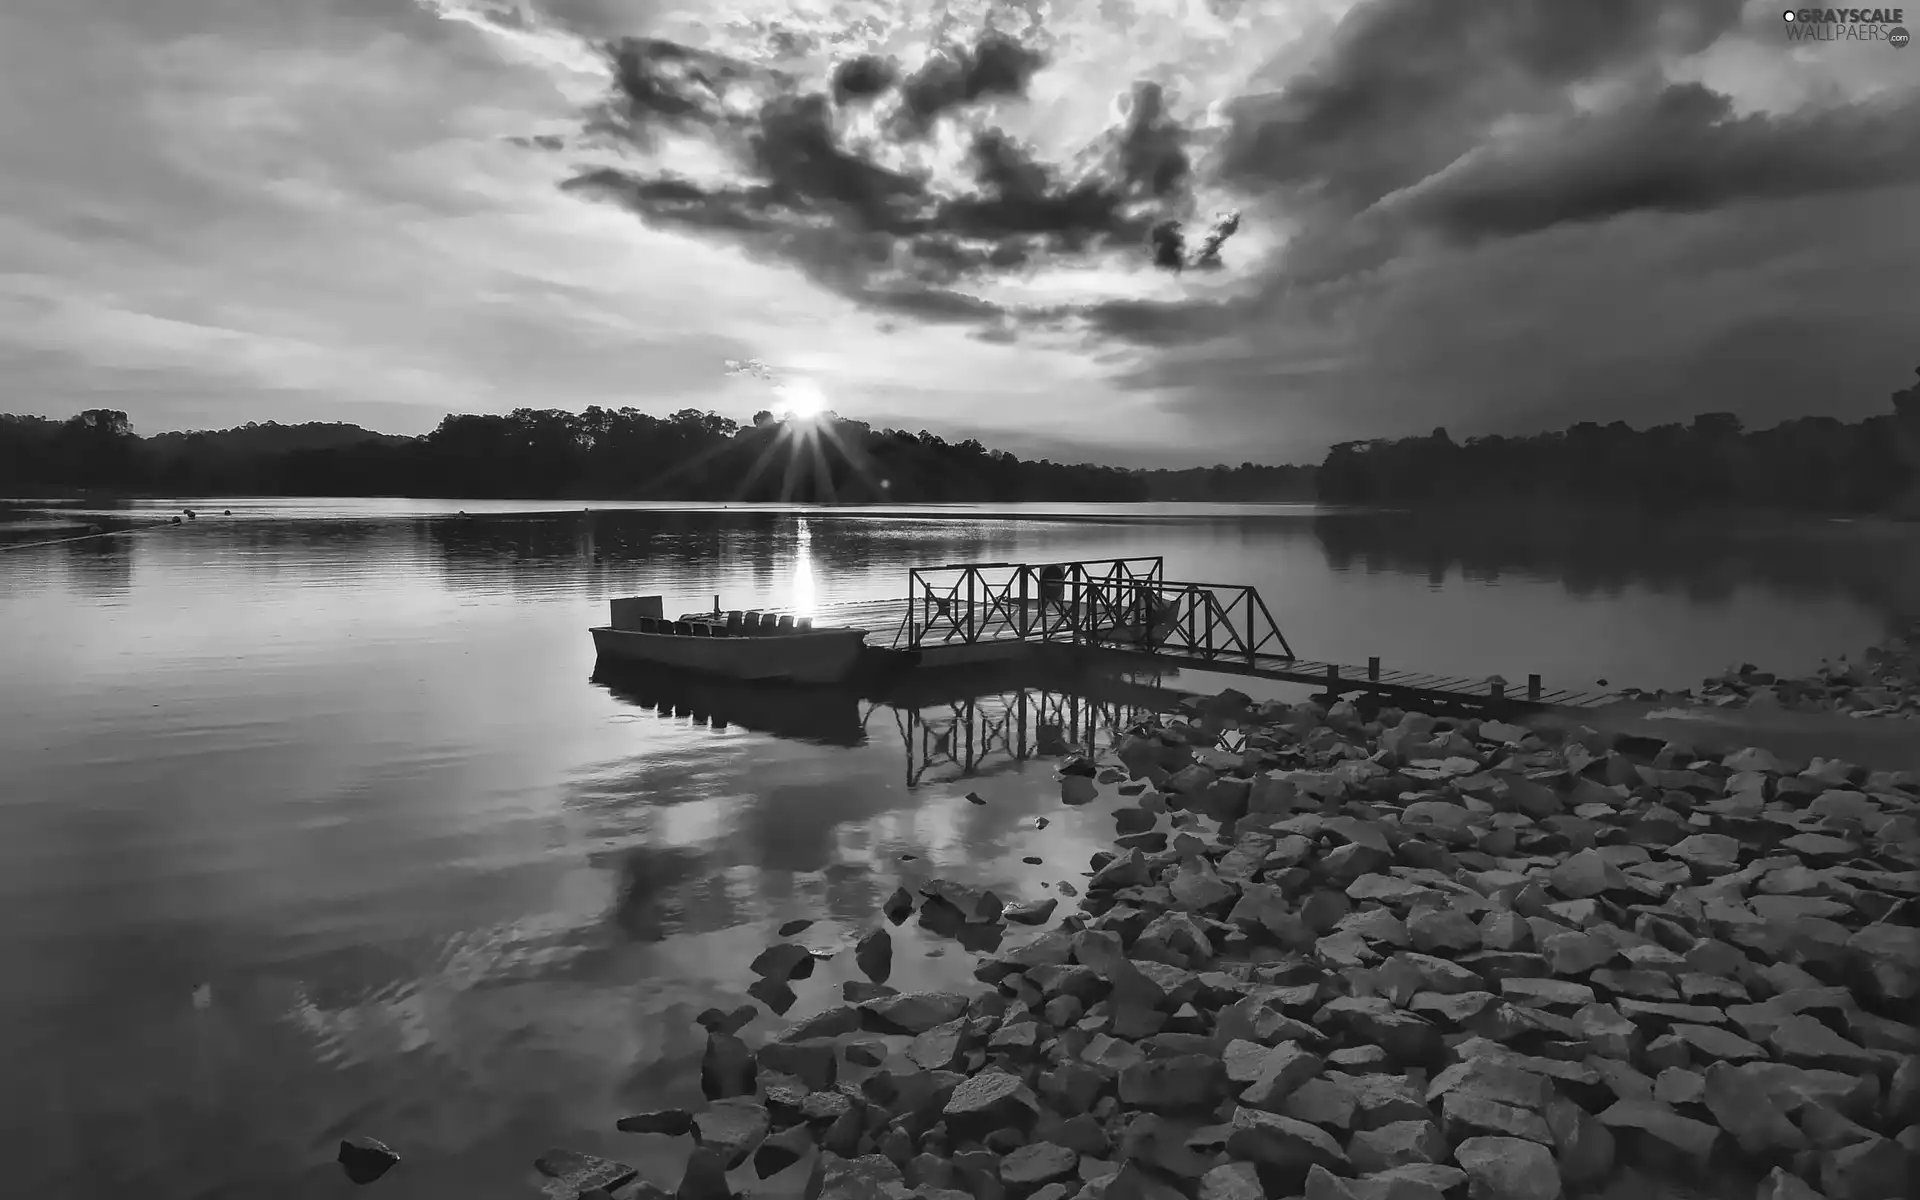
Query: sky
1497, 216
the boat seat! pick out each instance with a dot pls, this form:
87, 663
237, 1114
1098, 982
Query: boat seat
734, 627
648, 624
683, 628
769, 620
803, 622
786, 622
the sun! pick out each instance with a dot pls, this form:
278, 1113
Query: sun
803, 399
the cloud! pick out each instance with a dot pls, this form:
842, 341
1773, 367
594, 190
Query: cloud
995, 65
1404, 87
1681, 149
863, 77
849, 203
753, 368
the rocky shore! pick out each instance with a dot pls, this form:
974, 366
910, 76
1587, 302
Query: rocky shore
1404, 958
1884, 683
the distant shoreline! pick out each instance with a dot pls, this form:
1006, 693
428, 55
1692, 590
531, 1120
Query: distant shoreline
1517, 509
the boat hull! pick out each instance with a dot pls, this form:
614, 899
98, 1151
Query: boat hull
809, 656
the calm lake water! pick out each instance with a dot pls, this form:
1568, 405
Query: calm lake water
313, 820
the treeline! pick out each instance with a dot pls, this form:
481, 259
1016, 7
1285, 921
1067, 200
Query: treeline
552, 454
1248, 483
1809, 464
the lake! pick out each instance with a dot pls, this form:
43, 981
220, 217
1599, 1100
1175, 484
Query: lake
314, 820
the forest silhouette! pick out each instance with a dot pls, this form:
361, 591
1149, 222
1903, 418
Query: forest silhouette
1808, 464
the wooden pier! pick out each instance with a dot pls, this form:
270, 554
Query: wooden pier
1128, 611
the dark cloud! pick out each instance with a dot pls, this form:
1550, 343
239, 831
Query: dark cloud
798, 151
1020, 197
863, 78
661, 81
1407, 86
1224, 226
1152, 146
1681, 150
1169, 245
887, 237
1418, 125
996, 65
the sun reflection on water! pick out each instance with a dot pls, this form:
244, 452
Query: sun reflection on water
804, 598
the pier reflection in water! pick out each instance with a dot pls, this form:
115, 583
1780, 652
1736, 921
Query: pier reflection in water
951, 725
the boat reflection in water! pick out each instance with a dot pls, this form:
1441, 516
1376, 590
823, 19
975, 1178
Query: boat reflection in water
824, 715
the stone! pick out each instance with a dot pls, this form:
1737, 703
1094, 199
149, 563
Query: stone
1691, 1137
827, 1023
1466, 1114
1504, 1168
1874, 1169
365, 1159
733, 1129
1806, 1042
1585, 874
1320, 1102
968, 905
776, 994
1038, 1164
912, 1012
939, 1048
1677, 1085
1198, 888
1782, 1185
898, 906
1583, 1146
727, 1067
1442, 929
1031, 912
1186, 1081
704, 1178
668, 1122
866, 1053
1395, 1144
1153, 1142
868, 1177
576, 1172
1235, 1181
1281, 1142
783, 961
1546, 993
1494, 1080
990, 1100
1748, 1113
781, 1150
1708, 854
1714, 1043
1284, 1068
873, 954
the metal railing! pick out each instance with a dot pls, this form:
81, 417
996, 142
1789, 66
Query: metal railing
1122, 603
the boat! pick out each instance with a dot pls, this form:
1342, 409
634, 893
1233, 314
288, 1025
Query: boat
733, 645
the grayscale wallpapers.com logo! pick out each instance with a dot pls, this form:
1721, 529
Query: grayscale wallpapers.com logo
1848, 25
